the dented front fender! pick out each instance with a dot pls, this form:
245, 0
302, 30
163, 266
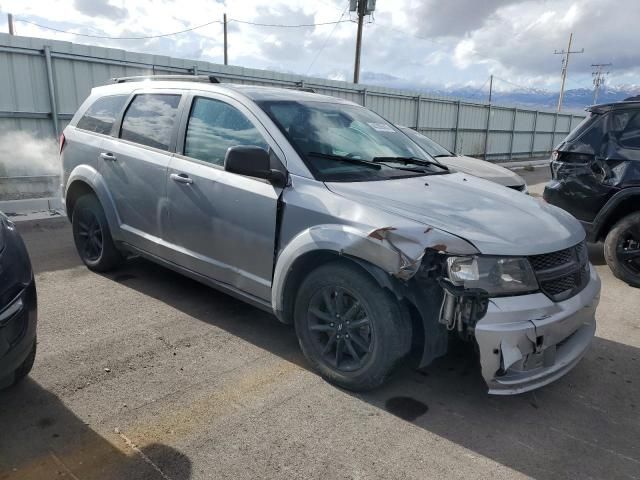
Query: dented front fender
396, 250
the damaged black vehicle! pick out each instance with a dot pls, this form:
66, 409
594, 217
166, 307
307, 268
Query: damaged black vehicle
18, 307
596, 177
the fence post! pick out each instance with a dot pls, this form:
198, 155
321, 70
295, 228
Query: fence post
488, 131
533, 133
364, 97
513, 133
418, 103
52, 90
553, 134
455, 137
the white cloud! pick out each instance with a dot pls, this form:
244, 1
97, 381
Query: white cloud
420, 41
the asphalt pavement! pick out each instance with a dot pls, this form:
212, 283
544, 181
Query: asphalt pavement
144, 374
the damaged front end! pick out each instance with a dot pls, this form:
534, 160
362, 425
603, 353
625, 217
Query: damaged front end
526, 334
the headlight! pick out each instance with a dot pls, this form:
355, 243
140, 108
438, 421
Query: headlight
496, 275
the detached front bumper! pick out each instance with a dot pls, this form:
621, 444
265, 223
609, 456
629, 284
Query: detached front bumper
528, 341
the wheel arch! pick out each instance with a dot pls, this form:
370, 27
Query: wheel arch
86, 180
619, 206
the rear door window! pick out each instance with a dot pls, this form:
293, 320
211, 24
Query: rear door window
102, 114
150, 119
213, 127
626, 128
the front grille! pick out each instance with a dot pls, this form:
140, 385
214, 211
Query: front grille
550, 260
564, 273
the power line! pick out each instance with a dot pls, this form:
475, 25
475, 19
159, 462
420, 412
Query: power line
147, 37
516, 84
119, 38
326, 41
288, 26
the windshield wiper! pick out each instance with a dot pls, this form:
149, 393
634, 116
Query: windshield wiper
410, 160
339, 158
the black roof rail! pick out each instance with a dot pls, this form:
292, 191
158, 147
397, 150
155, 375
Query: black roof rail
170, 78
305, 89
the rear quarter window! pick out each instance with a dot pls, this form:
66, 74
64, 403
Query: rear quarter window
150, 119
102, 114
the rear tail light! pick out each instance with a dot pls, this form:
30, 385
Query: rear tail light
63, 142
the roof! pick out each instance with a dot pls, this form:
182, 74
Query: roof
631, 102
253, 92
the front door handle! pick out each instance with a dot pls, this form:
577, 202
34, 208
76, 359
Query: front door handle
181, 178
108, 156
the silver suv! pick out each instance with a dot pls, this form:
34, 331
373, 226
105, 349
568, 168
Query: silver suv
322, 212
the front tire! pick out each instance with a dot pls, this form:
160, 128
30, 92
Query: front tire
26, 367
92, 236
622, 249
352, 331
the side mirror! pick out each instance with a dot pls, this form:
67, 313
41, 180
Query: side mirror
253, 161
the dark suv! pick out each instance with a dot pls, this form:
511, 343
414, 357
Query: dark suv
596, 176
18, 307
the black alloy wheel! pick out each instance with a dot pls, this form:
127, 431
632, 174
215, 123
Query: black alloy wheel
622, 249
352, 331
90, 243
92, 236
628, 249
340, 328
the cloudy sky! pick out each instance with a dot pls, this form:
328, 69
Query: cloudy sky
430, 43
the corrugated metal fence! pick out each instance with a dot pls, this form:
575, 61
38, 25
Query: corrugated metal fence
42, 83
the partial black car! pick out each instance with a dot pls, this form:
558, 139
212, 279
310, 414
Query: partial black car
596, 177
18, 307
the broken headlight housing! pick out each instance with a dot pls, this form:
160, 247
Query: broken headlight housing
498, 276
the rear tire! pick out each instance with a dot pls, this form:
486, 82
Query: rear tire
92, 236
622, 249
352, 331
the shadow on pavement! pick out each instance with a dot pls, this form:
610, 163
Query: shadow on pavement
585, 425
41, 439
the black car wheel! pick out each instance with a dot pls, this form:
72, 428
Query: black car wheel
92, 236
351, 330
622, 249
26, 367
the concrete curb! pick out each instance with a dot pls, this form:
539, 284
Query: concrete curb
40, 224
31, 205
528, 164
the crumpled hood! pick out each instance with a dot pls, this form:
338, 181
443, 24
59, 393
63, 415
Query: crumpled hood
483, 169
496, 220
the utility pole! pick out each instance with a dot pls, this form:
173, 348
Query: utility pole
598, 78
490, 87
226, 58
363, 8
10, 21
565, 66
361, 4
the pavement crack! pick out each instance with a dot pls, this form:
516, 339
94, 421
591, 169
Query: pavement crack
142, 455
61, 464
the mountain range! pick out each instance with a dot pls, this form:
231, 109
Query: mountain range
575, 100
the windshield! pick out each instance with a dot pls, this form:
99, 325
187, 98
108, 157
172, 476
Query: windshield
340, 142
432, 148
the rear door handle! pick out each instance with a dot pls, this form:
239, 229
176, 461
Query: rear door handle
108, 156
181, 178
